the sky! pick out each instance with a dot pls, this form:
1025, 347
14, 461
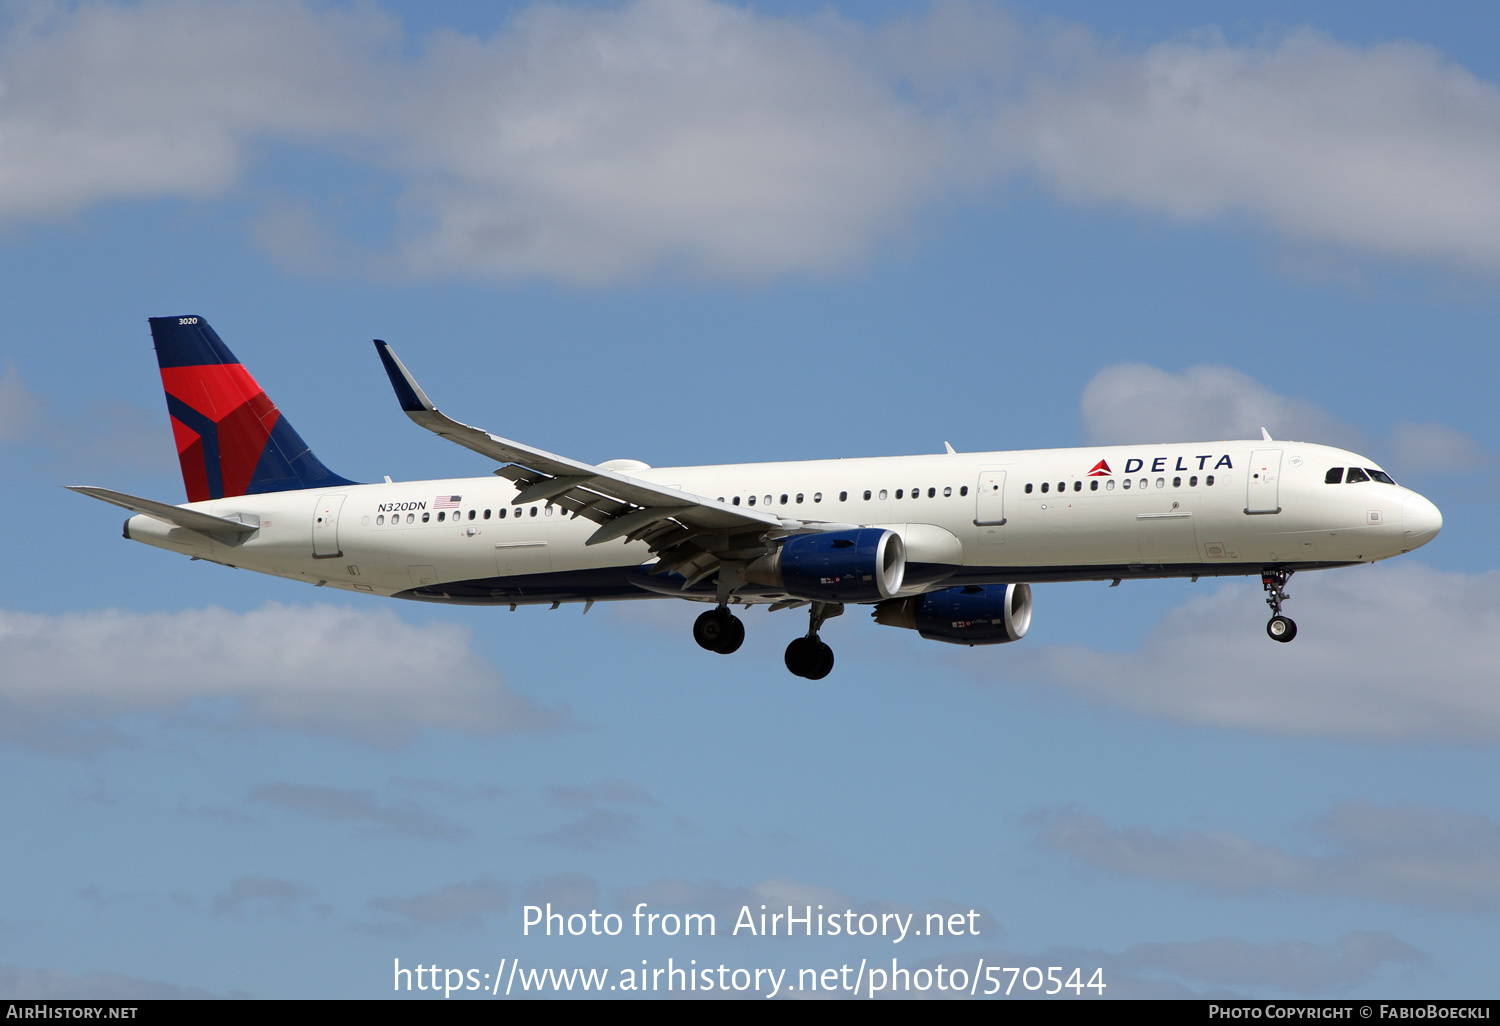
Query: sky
686, 232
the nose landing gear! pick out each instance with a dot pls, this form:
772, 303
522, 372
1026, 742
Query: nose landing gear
719, 630
1278, 628
808, 656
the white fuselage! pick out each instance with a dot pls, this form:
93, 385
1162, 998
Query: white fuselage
1159, 510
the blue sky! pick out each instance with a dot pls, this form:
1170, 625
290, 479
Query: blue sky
691, 232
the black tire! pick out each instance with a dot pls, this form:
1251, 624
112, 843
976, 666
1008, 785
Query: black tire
802, 656
1281, 628
734, 639
825, 663
713, 628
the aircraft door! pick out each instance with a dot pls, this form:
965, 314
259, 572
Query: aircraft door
1263, 487
989, 507
325, 527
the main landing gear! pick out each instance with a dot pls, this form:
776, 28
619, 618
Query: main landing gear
808, 656
1280, 628
719, 630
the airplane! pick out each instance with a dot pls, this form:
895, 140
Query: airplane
947, 545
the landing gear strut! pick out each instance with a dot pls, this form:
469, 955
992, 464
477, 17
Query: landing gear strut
1279, 628
719, 630
808, 656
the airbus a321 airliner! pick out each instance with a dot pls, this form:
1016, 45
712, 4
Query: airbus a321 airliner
946, 545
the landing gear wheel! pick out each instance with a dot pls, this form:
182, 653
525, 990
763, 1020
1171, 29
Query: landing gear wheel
734, 639
719, 630
810, 658
1281, 628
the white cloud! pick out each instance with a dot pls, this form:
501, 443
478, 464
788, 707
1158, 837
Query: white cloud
1435, 448
1405, 855
1389, 652
1390, 149
1133, 402
320, 669
590, 143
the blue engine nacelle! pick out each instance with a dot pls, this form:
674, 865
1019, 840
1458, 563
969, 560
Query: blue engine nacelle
973, 615
863, 565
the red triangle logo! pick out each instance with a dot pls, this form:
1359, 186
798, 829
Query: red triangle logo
1101, 469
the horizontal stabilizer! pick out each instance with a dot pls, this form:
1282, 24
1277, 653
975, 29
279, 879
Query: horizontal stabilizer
205, 523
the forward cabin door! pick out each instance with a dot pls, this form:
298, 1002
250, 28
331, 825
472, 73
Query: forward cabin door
989, 499
1263, 490
326, 527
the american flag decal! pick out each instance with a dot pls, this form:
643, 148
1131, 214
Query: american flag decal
447, 501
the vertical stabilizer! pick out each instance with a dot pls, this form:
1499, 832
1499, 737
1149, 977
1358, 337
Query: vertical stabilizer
231, 439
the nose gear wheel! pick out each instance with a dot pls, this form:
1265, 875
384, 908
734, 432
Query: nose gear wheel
1278, 628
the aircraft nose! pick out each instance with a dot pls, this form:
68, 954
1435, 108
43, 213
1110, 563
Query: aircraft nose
1420, 521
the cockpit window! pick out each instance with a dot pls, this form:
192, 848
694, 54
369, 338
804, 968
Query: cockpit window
1379, 475
1355, 475
1334, 476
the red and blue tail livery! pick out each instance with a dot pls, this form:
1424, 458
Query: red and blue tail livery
231, 439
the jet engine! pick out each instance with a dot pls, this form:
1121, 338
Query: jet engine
972, 615
863, 565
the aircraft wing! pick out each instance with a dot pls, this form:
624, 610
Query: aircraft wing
205, 523
690, 532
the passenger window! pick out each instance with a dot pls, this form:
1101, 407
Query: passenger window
843, 496
1176, 482
751, 500
1161, 482
1062, 486
783, 498
1380, 475
1355, 474
440, 517
533, 511
1109, 485
504, 512
1209, 480
947, 492
1094, 485
426, 517
817, 496
899, 491
736, 500
472, 513
486, 514
1334, 476
1125, 483
1045, 486
1028, 487
1193, 481
1078, 486
932, 493
867, 495
411, 517
799, 497
380, 520
766, 501
882, 495
1144, 482
964, 490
